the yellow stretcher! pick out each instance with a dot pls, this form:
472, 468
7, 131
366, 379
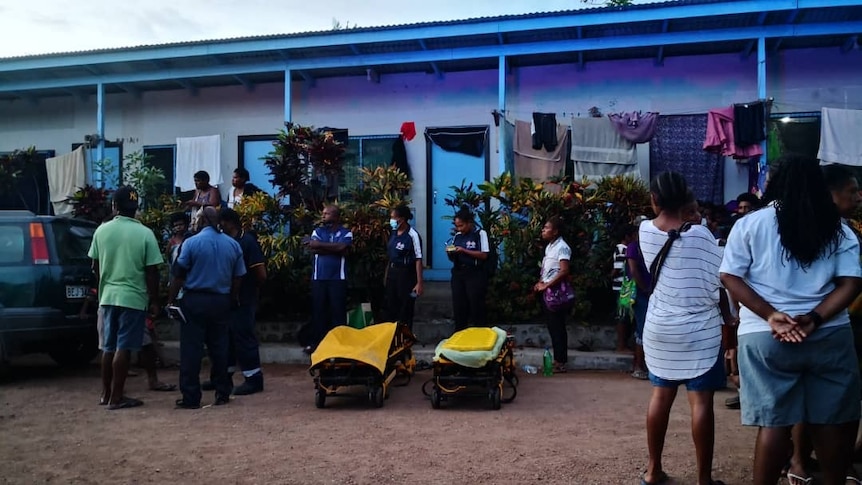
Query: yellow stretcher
372, 357
478, 361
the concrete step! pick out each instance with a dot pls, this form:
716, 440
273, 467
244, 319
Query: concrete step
293, 354
430, 332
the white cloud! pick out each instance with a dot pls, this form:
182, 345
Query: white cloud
44, 26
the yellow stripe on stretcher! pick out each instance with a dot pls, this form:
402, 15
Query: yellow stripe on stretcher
470, 339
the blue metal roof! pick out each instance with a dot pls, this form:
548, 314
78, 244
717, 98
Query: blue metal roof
687, 27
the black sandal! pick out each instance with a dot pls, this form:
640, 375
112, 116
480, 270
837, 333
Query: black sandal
126, 403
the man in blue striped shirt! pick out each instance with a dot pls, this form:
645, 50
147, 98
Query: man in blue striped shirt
329, 244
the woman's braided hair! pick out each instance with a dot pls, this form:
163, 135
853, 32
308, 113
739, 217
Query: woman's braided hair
808, 221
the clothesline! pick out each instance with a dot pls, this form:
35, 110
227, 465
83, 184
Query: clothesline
576, 113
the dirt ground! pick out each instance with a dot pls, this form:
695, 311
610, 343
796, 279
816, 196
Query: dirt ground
585, 428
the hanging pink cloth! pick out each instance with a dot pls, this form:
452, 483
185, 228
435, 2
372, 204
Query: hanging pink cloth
719, 136
635, 127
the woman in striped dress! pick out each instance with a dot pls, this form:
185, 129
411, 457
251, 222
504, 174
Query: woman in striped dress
682, 334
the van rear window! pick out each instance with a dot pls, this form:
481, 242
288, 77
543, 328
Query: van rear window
73, 241
12, 244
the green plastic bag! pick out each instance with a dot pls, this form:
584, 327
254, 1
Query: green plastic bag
628, 295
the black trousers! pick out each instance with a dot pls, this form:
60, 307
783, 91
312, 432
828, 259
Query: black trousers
328, 307
208, 318
469, 287
400, 282
244, 348
559, 334
546, 131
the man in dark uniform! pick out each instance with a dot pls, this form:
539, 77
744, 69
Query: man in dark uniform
209, 268
244, 347
329, 244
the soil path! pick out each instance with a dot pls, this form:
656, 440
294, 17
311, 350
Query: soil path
585, 428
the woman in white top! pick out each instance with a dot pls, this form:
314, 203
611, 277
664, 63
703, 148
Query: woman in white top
794, 267
555, 269
682, 334
241, 187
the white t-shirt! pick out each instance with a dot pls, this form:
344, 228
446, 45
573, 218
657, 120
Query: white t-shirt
755, 254
619, 266
554, 253
682, 334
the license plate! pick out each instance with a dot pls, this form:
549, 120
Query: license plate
76, 292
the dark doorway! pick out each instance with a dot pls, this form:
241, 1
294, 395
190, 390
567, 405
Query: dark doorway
163, 157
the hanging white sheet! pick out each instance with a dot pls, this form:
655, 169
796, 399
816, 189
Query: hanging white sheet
66, 174
195, 154
840, 137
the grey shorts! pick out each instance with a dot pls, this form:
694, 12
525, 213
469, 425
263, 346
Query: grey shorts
782, 384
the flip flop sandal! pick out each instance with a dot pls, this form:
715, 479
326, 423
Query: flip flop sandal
848, 478
662, 478
126, 403
794, 479
162, 387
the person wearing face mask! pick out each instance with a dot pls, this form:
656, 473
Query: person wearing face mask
404, 269
468, 252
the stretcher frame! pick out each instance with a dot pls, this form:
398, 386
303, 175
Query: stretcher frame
452, 379
334, 373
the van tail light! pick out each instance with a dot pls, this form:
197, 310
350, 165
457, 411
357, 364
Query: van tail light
38, 244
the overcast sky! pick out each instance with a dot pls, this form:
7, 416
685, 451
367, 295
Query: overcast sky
44, 26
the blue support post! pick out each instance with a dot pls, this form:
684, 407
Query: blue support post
761, 94
287, 95
100, 128
501, 108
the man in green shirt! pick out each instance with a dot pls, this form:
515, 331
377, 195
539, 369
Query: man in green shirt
126, 258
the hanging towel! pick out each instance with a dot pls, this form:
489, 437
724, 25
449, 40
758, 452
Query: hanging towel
195, 154
66, 174
538, 165
599, 151
635, 127
840, 137
544, 131
749, 123
719, 136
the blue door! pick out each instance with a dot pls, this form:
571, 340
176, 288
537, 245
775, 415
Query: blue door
448, 169
254, 151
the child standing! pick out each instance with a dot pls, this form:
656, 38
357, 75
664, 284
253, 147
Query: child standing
624, 235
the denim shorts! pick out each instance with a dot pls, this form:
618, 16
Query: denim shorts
123, 329
815, 381
714, 379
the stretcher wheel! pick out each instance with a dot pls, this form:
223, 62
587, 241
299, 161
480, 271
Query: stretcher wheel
320, 399
494, 397
436, 397
375, 395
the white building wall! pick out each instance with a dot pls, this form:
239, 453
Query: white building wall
799, 80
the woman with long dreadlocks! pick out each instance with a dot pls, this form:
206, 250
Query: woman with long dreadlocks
794, 267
